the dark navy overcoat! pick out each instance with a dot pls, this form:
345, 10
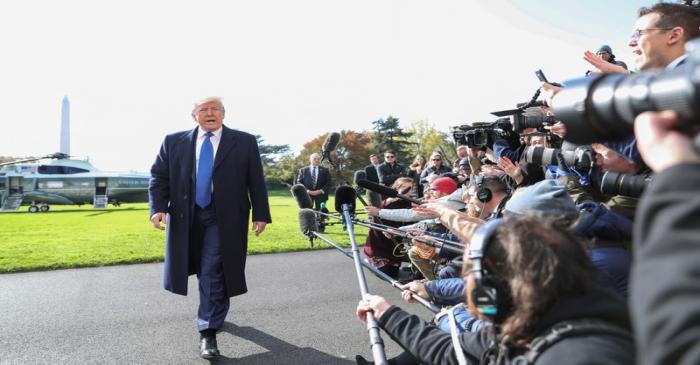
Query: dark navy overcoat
239, 186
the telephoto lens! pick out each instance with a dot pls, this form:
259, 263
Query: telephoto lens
615, 183
604, 108
581, 158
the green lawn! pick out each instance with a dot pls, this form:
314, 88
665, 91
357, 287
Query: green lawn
70, 236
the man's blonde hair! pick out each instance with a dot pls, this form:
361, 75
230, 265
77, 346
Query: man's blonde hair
209, 99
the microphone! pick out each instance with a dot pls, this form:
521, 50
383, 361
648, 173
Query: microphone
301, 195
308, 224
387, 191
345, 195
359, 175
329, 145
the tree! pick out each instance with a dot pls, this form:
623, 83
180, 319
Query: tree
426, 139
350, 155
388, 135
271, 157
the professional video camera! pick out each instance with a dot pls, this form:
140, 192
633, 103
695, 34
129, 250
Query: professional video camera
580, 159
521, 119
481, 134
604, 108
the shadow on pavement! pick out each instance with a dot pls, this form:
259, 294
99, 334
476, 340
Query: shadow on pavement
279, 352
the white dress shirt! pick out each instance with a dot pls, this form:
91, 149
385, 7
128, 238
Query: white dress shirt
215, 139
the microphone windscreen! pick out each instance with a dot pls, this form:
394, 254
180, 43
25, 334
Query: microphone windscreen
378, 188
331, 142
359, 175
345, 195
375, 199
301, 196
307, 221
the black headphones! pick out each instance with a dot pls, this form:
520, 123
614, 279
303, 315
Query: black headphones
483, 194
491, 294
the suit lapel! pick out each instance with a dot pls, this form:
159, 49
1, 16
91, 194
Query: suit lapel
187, 143
228, 140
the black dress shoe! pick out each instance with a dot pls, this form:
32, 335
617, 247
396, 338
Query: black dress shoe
208, 347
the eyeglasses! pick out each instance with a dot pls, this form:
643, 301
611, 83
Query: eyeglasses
389, 156
436, 159
206, 110
638, 32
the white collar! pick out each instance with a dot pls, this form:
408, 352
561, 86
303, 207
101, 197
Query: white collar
675, 62
217, 133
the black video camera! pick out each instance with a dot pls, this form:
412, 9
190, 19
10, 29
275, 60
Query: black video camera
604, 108
521, 120
481, 134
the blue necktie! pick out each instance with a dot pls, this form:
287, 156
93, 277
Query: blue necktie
204, 170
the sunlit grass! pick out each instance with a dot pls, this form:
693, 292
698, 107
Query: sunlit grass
70, 236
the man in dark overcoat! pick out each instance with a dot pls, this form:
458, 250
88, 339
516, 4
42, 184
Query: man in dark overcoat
203, 185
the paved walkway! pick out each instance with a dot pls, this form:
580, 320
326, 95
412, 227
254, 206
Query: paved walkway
300, 309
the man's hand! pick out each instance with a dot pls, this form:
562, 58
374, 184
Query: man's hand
371, 303
609, 160
558, 129
512, 169
373, 211
602, 65
157, 219
259, 227
429, 210
549, 92
414, 287
660, 145
314, 192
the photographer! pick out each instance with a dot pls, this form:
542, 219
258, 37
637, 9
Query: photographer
539, 278
665, 288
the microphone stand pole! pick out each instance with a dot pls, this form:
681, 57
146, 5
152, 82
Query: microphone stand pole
372, 326
430, 306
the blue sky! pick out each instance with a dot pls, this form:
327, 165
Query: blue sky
289, 71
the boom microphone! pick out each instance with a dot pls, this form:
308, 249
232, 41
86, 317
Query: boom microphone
330, 144
359, 175
345, 195
308, 222
301, 195
387, 191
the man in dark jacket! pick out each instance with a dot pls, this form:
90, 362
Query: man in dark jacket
203, 184
390, 170
665, 283
316, 179
372, 169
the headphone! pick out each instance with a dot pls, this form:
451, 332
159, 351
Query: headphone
483, 194
491, 295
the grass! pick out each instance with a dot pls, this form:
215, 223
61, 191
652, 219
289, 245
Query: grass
70, 236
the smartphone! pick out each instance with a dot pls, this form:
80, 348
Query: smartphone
540, 75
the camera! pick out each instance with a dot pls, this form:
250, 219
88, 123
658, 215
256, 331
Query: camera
522, 118
580, 159
615, 183
482, 134
474, 136
604, 108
